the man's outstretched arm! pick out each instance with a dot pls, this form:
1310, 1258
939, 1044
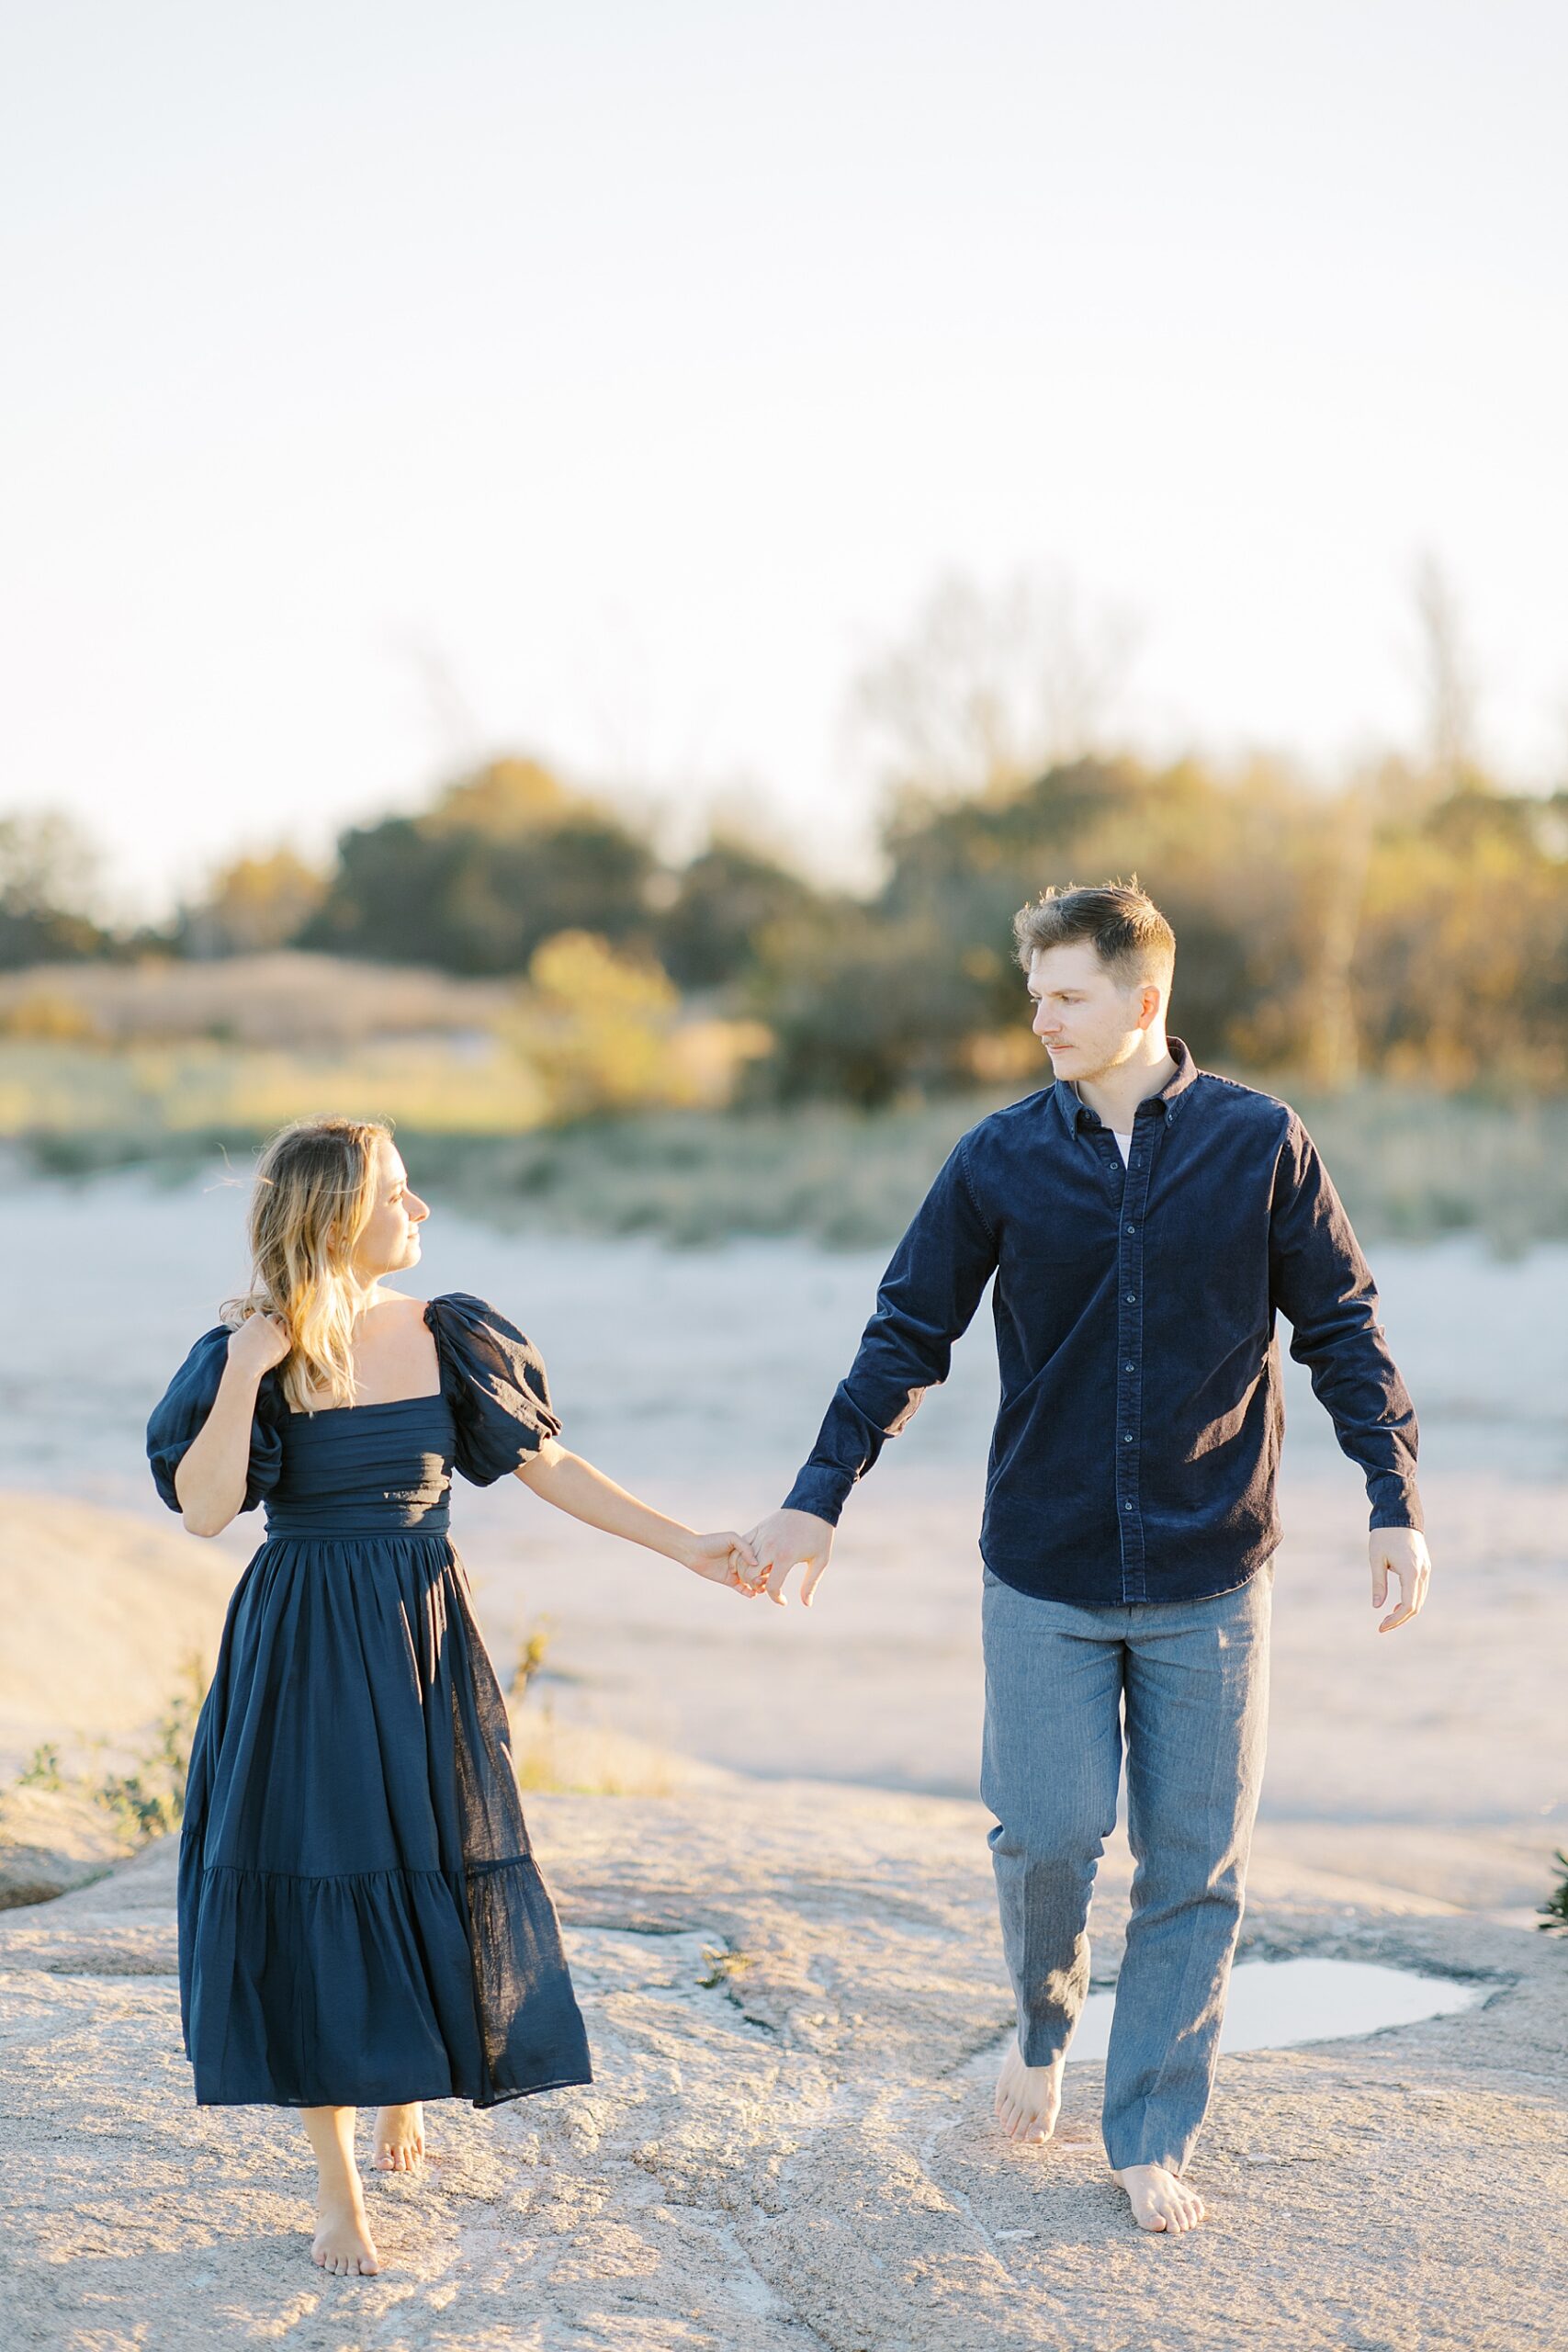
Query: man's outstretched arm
927, 1299
1321, 1281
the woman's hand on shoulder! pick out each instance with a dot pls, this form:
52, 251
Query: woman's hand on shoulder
258, 1343
725, 1558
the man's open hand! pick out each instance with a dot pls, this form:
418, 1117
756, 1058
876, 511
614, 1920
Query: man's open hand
1399, 1551
784, 1539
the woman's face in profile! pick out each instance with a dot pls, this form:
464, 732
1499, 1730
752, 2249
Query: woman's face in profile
391, 1241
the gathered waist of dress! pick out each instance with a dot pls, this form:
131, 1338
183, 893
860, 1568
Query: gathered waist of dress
362, 1516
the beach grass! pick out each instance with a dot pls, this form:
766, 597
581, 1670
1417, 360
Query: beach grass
158, 1098
1409, 1164
555, 1756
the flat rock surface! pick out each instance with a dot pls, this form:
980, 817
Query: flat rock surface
52, 1839
794, 1996
795, 1990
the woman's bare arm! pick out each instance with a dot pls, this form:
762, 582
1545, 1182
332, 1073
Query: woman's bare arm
211, 1477
574, 1485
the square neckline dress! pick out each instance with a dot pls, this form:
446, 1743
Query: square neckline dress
361, 1918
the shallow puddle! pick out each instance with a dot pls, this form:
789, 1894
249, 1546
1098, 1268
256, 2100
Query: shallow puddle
1274, 2003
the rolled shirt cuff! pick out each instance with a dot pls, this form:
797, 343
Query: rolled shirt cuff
821, 1491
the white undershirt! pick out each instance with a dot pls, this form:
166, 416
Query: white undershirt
1123, 1143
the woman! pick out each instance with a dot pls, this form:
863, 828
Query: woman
361, 1920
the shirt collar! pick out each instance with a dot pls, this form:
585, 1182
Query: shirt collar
1165, 1105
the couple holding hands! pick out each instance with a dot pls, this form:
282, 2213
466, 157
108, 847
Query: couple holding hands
361, 1920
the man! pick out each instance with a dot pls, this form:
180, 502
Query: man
1144, 1220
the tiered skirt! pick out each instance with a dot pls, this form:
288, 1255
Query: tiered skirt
361, 1918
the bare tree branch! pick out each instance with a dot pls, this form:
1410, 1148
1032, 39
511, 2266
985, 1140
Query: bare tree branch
993, 686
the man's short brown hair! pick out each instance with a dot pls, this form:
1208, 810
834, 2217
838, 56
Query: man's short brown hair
1126, 929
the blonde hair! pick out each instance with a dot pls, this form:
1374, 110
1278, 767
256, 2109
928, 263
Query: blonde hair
315, 1190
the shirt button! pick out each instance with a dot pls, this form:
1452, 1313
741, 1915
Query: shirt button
1131, 1367
1126, 1437
1132, 1228
1126, 1505
1132, 1297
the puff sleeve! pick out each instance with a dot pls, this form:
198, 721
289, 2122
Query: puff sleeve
494, 1379
178, 1418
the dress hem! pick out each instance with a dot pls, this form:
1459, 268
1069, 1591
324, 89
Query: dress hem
422, 2098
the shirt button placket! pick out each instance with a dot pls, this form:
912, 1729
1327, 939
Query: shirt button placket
1130, 1352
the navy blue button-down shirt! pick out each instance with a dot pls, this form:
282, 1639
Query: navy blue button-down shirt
1141, 1416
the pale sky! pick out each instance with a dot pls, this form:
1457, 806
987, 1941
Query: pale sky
387, 383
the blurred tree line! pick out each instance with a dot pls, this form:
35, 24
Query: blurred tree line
1411, 923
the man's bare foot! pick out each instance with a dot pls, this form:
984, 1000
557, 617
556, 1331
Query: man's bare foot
343, 2242
1159, 2200
1028, 2098
400, 2138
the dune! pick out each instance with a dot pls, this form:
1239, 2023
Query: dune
101, 1611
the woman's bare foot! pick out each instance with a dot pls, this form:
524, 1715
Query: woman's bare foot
1159, 2200
400, 2138
343, 2243
1028, 2098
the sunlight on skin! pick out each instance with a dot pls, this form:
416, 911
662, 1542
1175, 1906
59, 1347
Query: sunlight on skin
1028, 2102
1161, 2202
1028, 2098
342, 2243
400, 2138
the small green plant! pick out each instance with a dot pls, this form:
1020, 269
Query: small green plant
41, 1769
143, 1812
1555, 1910
150, 1800
724, 1965
530, 1658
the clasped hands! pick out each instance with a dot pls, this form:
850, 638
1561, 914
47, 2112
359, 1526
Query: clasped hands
760, 1562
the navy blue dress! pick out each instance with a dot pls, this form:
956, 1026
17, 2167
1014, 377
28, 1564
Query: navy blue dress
361, 1920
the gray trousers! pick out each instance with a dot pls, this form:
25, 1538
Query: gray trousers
1190, 1680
